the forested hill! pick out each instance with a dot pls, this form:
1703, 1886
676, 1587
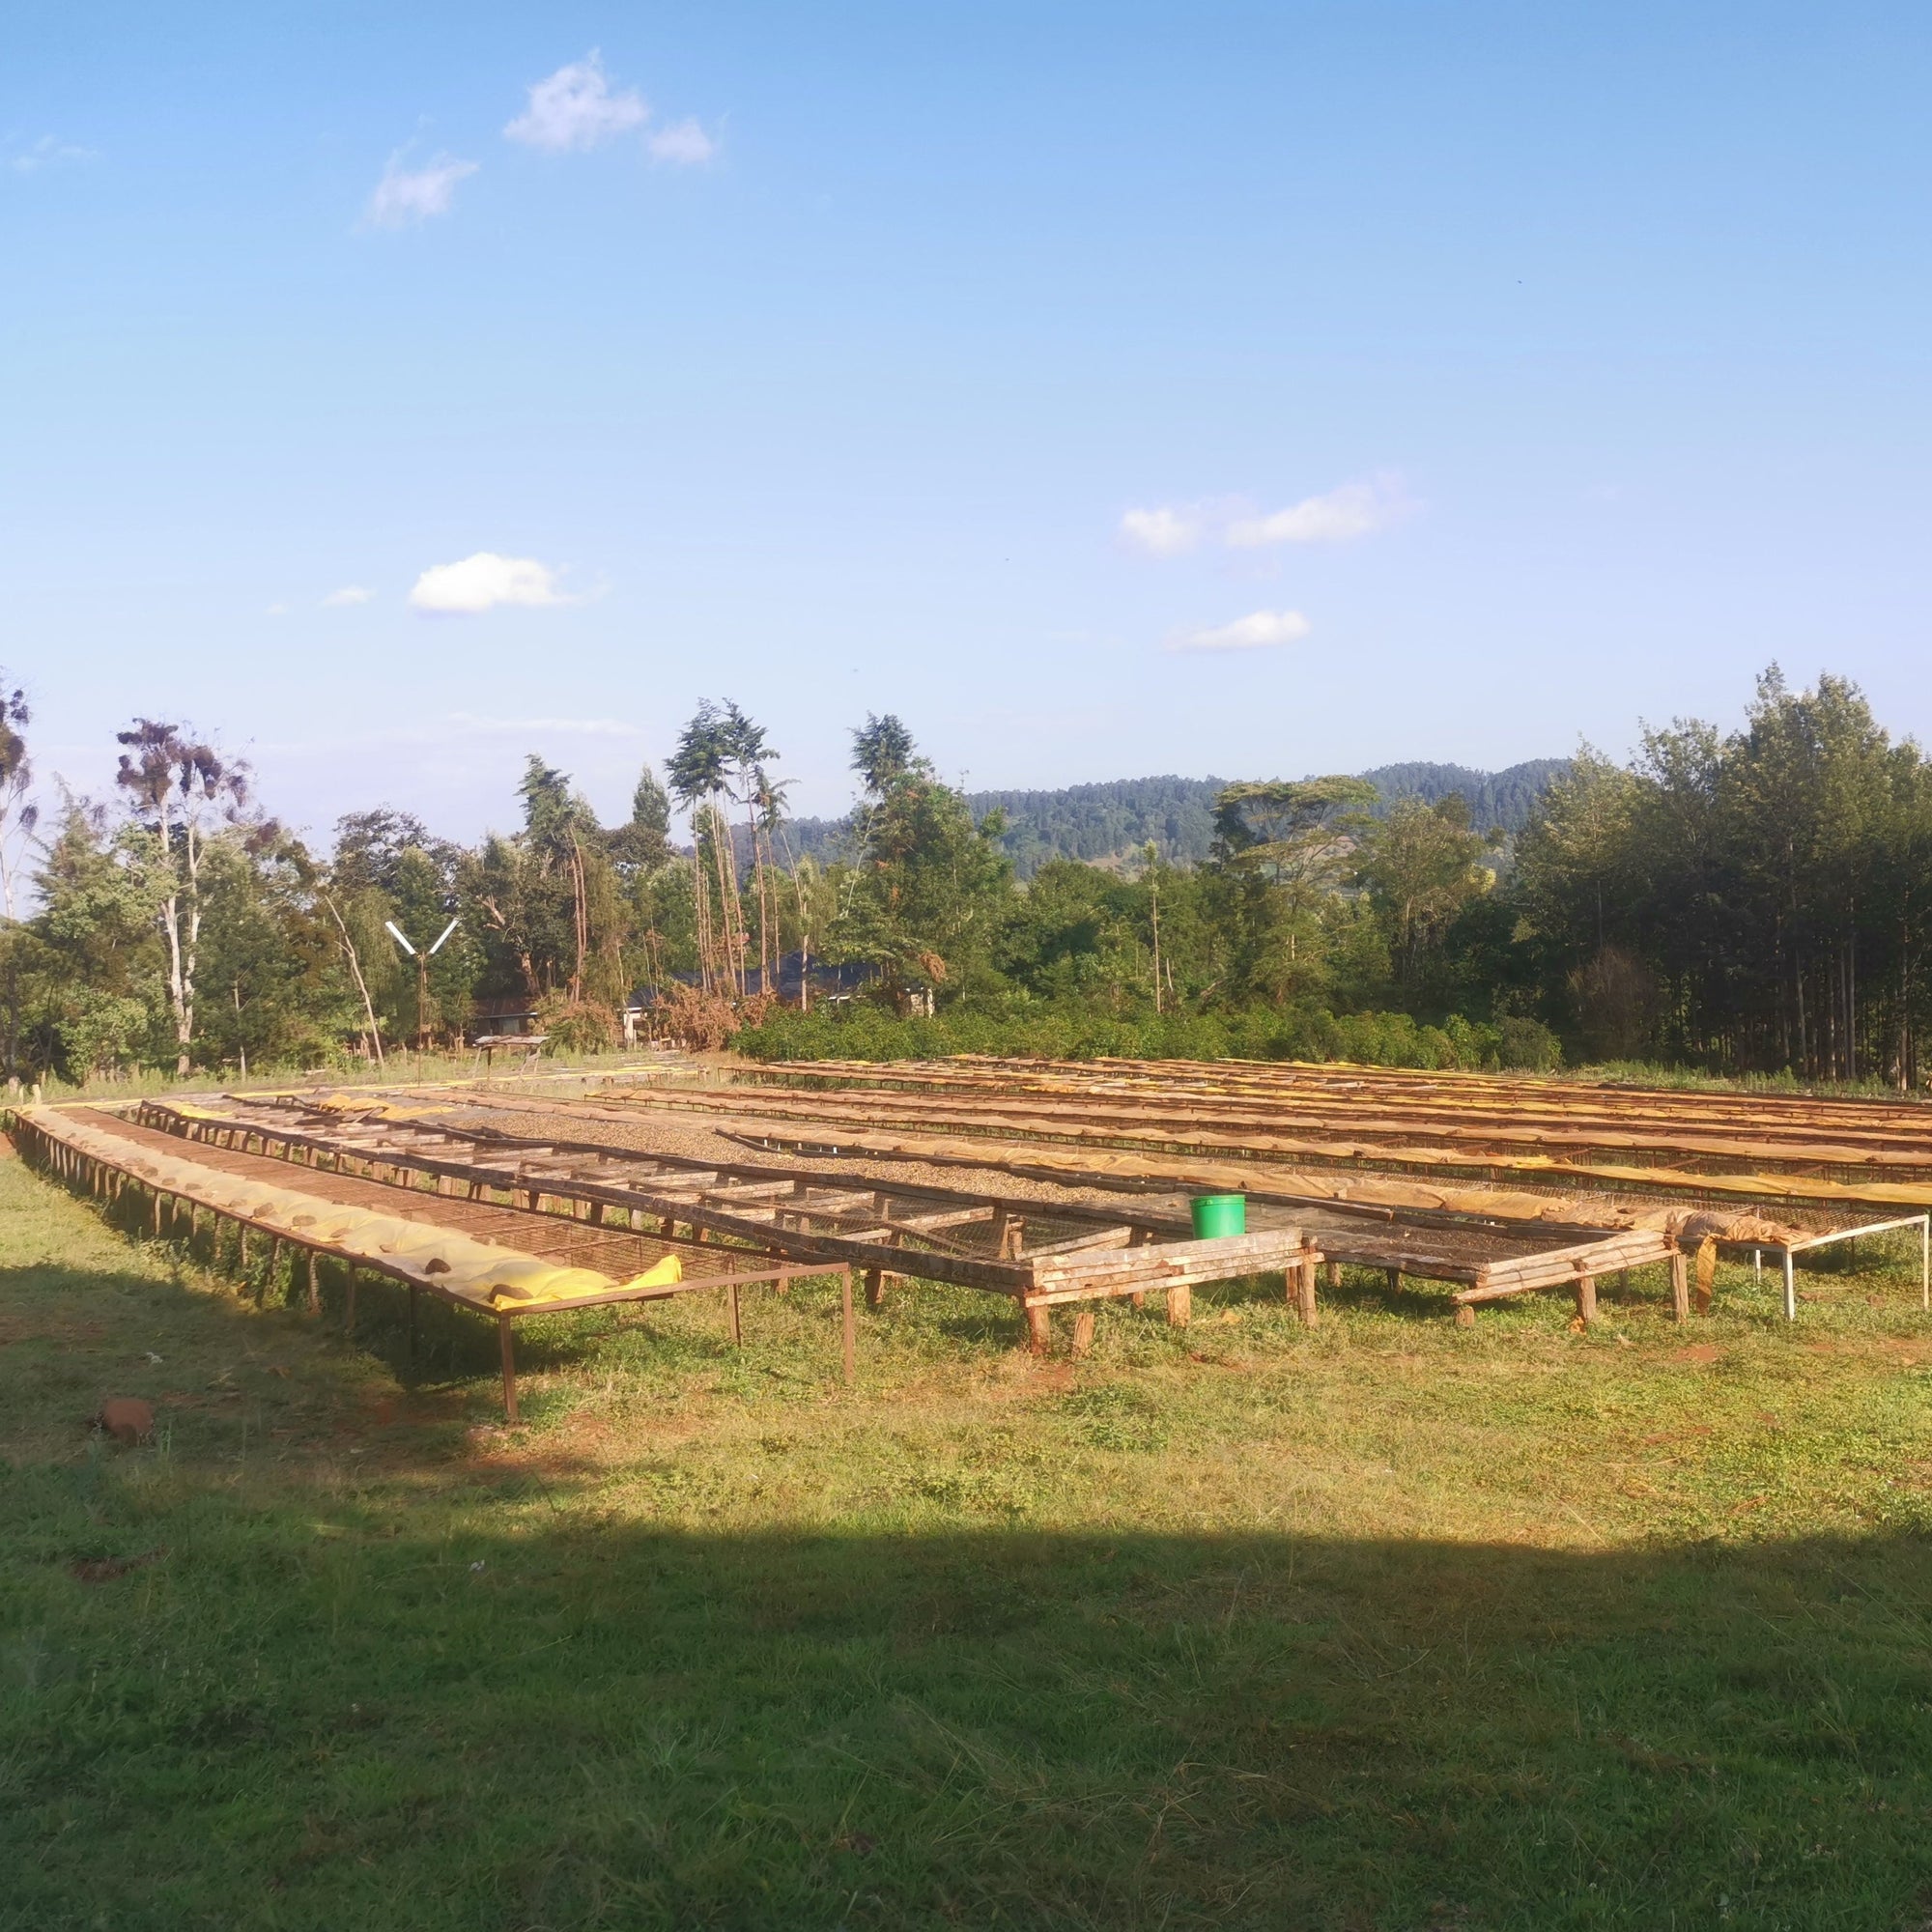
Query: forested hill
1107, 824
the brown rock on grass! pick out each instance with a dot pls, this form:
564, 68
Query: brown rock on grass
126, 1418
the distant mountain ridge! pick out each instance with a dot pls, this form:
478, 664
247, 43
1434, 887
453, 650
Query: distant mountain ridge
1112, 823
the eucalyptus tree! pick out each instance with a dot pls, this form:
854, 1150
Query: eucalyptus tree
1280, 849
1750, 900
1421, 867
701, 771
762, 797
546, 901
182, 795
930, 886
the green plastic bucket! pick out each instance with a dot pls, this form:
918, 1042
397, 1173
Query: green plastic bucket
1216, 1214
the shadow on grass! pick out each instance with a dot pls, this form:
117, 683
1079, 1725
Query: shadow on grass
485, 1693
518, 1715
474, 1727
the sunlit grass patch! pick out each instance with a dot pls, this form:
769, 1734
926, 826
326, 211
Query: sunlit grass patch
1386, 1625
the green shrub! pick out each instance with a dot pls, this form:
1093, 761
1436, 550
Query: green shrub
1528, 1046
864, 1032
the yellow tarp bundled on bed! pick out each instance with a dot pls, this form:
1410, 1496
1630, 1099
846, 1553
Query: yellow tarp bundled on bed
480, 1272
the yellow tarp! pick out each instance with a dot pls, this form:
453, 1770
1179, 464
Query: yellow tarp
481, 1273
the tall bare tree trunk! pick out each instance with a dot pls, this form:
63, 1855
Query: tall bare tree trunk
362, 984
580, 907
727, 866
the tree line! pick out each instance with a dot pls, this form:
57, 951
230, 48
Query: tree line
1758, 901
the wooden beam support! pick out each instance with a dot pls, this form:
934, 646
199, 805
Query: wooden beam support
845, 1298
1587, 1299
508, 1346
1039, 1328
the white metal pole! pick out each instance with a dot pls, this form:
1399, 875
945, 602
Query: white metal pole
1925, 1262
1790, 1289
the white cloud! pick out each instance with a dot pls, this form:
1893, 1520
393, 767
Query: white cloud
684, 144
1259, 630
1162, 533
1337, 516
49, 153
406, 195
1340, 516
575, 108
277, 610
349, 593
481, 582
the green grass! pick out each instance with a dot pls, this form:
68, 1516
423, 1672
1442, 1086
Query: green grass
1389, 1626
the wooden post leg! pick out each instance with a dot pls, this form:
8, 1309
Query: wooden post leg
1083, 1331
510, 1351
1138, 1297
314, 1287
1707, 1273
732, 1304
1180, 1306
851, 1344
1306, 1295
1680, 1287
1040, 1329
1395, 1281
1465, 1315
1333, 1270
875, 1288
157, 1214
1586, 1299
349, 1312
414, 1292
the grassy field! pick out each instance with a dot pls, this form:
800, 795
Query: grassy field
1389, 1626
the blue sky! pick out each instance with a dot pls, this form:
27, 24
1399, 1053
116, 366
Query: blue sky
1109, 392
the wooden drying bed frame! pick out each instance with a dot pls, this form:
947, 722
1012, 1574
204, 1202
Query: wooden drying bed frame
1520, 1259
881, 1230
1452, 1094
740, 1201
1370, 1127
1450, 1088
1136, 1130
90, 1169
1576, 1266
